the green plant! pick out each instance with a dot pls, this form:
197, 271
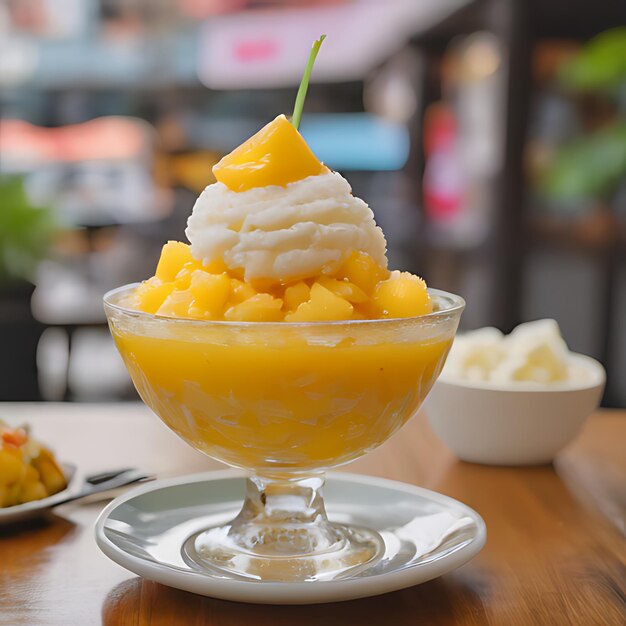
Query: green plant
25, 231
593, 165
600, 65
588, 167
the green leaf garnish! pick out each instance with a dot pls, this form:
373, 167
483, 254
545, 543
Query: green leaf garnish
304, 83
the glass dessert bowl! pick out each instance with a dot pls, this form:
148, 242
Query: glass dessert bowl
285, 402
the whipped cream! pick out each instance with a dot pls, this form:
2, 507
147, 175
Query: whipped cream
533, 352
303, 230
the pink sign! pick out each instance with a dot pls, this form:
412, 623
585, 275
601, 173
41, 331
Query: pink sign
269, 48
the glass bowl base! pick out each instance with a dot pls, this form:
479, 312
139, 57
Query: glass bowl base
284, 554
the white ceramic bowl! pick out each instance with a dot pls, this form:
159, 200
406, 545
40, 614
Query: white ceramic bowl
517, 424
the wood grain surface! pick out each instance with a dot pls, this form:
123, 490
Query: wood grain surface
555, 551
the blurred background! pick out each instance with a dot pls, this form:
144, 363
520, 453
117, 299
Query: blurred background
489, 137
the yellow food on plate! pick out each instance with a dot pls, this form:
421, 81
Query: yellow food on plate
28, 470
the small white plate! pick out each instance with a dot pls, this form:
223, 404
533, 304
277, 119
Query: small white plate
426, 534
36, 508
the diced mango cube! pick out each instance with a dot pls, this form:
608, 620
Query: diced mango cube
402, 295
323, 306
49, 472
241, 291
295, 295
11, 466
261, 307
367, 310
276, 155
173, 256
217, 266
357, 315
31, 475
183, 278
151, 294
177, 304
264, 285
32, 491
359, 268
210, 293
12, 494
344, 289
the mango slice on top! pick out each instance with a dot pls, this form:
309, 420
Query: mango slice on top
276, 155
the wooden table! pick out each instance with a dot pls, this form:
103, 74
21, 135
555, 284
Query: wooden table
555, 551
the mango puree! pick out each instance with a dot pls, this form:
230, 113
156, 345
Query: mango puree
283, 400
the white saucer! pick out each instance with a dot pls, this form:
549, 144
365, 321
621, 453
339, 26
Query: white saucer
426, 535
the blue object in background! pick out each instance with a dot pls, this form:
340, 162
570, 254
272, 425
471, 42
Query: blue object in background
356, 141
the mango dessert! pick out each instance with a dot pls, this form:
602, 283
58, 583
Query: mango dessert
280, 238
277, 340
